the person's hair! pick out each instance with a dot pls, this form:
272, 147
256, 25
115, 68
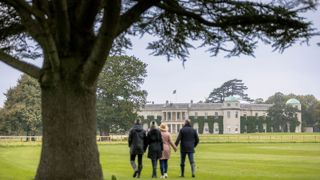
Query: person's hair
153, 124
187, 122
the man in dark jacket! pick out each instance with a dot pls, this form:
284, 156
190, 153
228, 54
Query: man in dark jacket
189, 140
137, 142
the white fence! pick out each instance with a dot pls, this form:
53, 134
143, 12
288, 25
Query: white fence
39, 138
222, 138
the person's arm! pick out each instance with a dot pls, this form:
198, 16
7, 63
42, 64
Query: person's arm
160, 139
196, 138
172, 144
146, 141
130, 138
178, 139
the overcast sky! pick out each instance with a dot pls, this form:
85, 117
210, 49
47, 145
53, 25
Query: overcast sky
296, 70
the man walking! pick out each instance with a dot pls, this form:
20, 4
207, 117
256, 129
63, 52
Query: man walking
189, 140
137, 142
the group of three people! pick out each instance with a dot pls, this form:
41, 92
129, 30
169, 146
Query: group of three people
159, 141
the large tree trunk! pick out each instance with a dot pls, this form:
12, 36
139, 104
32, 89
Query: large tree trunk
69, 149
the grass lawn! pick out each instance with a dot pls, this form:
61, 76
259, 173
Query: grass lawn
213, 161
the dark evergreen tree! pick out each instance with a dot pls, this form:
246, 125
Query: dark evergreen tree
21, 114
234, 87
259, 101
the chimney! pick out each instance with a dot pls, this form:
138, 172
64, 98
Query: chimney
166, 104
190, 104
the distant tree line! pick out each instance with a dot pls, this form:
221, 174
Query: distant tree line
21, 114
310, 107
280, 114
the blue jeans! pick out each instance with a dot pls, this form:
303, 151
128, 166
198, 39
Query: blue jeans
183, 158
164, 166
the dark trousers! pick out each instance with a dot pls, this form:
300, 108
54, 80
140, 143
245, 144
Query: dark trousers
183, 158
191, 160
163, 166
154, 167
133, 158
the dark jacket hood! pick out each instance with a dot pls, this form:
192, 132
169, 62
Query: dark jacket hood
138, 127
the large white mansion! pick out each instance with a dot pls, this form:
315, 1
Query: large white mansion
229, 117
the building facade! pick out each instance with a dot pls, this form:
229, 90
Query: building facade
229, 117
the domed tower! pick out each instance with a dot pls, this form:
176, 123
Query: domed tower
296, 103
231, 115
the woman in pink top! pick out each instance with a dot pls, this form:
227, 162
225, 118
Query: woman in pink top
167, 142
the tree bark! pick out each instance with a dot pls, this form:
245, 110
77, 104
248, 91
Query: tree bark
69, 149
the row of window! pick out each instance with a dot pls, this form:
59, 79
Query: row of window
182, 115
228, 114
228, 104
168, 116
206, 115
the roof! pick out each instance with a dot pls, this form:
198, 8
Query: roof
256, 107
231, 99
293, 101
201, 106
206, 106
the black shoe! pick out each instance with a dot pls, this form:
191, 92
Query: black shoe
135, 173
154, 176
181, 171
193, 175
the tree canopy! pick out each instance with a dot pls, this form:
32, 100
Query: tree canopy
234, 87
63, 28
74, 38
21, 114
119, 95
282, 116
309, 107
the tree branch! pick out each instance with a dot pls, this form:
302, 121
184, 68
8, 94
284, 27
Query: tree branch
174, 7
38, 28
51, 50
103, 42
21, 4
22, 66
86, 14
25, 12
62, 23
229, 21
11, 30
134, 14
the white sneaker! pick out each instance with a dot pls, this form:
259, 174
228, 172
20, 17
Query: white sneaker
165, 175
161, 177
